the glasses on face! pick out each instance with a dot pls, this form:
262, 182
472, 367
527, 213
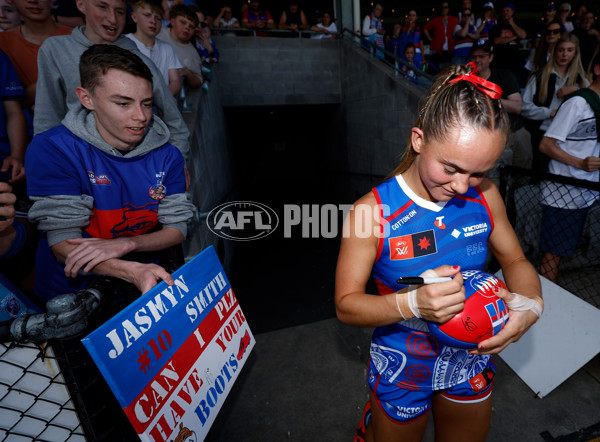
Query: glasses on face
479, 56
552, 31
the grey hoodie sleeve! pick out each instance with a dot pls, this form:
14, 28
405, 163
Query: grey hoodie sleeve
175, 211
50, 93
61, 216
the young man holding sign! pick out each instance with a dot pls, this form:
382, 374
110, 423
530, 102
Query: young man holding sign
106, 182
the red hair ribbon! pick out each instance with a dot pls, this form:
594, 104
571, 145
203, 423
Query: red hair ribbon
492, 90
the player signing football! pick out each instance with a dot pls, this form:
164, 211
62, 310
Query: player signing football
436, 215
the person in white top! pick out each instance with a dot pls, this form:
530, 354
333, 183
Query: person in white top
225, 19
326, 29
147, 16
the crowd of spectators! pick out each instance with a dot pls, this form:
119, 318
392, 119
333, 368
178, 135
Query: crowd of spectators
48, 213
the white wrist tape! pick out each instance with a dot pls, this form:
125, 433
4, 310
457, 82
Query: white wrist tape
523, 303
398, 305
412, 292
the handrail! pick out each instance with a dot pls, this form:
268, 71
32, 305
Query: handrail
253, 31
398, 62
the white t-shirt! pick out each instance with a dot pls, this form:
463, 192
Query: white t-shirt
228, 24
162, 54
332, 28
574, 128
186, 53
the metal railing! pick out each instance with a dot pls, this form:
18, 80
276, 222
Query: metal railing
253, 32
393, 61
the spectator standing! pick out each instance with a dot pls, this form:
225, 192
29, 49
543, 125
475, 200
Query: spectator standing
22, 43
465, 34
411, 33
539, 32
147, 15
179, 35
372, 29
409, 57
545, 91
58, 62
572, 142
543, 52
581, 10
256, 18
225, 19
106, 182
394, 45
9, 16
467, 4
442, 42
506, 37
519, 140
293, 18
486, 22
589, 39
209, 54
326, 28
564, 11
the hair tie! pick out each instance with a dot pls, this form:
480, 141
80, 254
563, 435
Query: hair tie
492, 90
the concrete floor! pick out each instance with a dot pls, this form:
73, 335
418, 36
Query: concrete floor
307, 383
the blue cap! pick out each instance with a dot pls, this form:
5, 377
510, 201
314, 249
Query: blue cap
551, 7
509, 5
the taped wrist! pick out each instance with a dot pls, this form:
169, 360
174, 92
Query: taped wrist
412, 292
523, 303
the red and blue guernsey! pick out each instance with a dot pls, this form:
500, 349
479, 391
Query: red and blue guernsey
124, 193
418, 235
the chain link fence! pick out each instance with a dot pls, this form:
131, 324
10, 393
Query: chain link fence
557, 221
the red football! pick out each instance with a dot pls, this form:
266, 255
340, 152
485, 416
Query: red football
484, 314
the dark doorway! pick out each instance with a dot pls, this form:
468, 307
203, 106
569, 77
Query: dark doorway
284, 157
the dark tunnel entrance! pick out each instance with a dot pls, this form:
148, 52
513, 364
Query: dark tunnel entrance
289, 159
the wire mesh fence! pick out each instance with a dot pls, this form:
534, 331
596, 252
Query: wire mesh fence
557, 221
34, 401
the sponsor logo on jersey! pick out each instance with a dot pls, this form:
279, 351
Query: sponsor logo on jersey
476, 229
439, 222
412, 246
455, 233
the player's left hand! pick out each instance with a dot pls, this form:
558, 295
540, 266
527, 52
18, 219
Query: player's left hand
89, 252
518, 323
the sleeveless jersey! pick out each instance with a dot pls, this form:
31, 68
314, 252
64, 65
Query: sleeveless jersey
417, 235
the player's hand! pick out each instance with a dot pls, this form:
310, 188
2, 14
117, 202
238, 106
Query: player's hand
442, 301
18, 169
89, 252
146, 276
518, 323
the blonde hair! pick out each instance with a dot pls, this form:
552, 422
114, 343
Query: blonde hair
575, 71
452, 105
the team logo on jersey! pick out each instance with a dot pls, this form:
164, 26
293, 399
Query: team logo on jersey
100, 179
412, 246
158, 191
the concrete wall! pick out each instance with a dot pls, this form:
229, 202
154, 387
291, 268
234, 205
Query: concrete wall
278, 71
375, 113
209, 165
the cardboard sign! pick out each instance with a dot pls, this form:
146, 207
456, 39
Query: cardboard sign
171, 357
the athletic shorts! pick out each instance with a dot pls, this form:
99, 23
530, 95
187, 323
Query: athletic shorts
404, 405
561, 230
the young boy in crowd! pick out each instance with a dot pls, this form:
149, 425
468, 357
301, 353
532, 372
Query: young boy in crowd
179, 35
147, 15
22, 43
409, 56
58, 61
106, 182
